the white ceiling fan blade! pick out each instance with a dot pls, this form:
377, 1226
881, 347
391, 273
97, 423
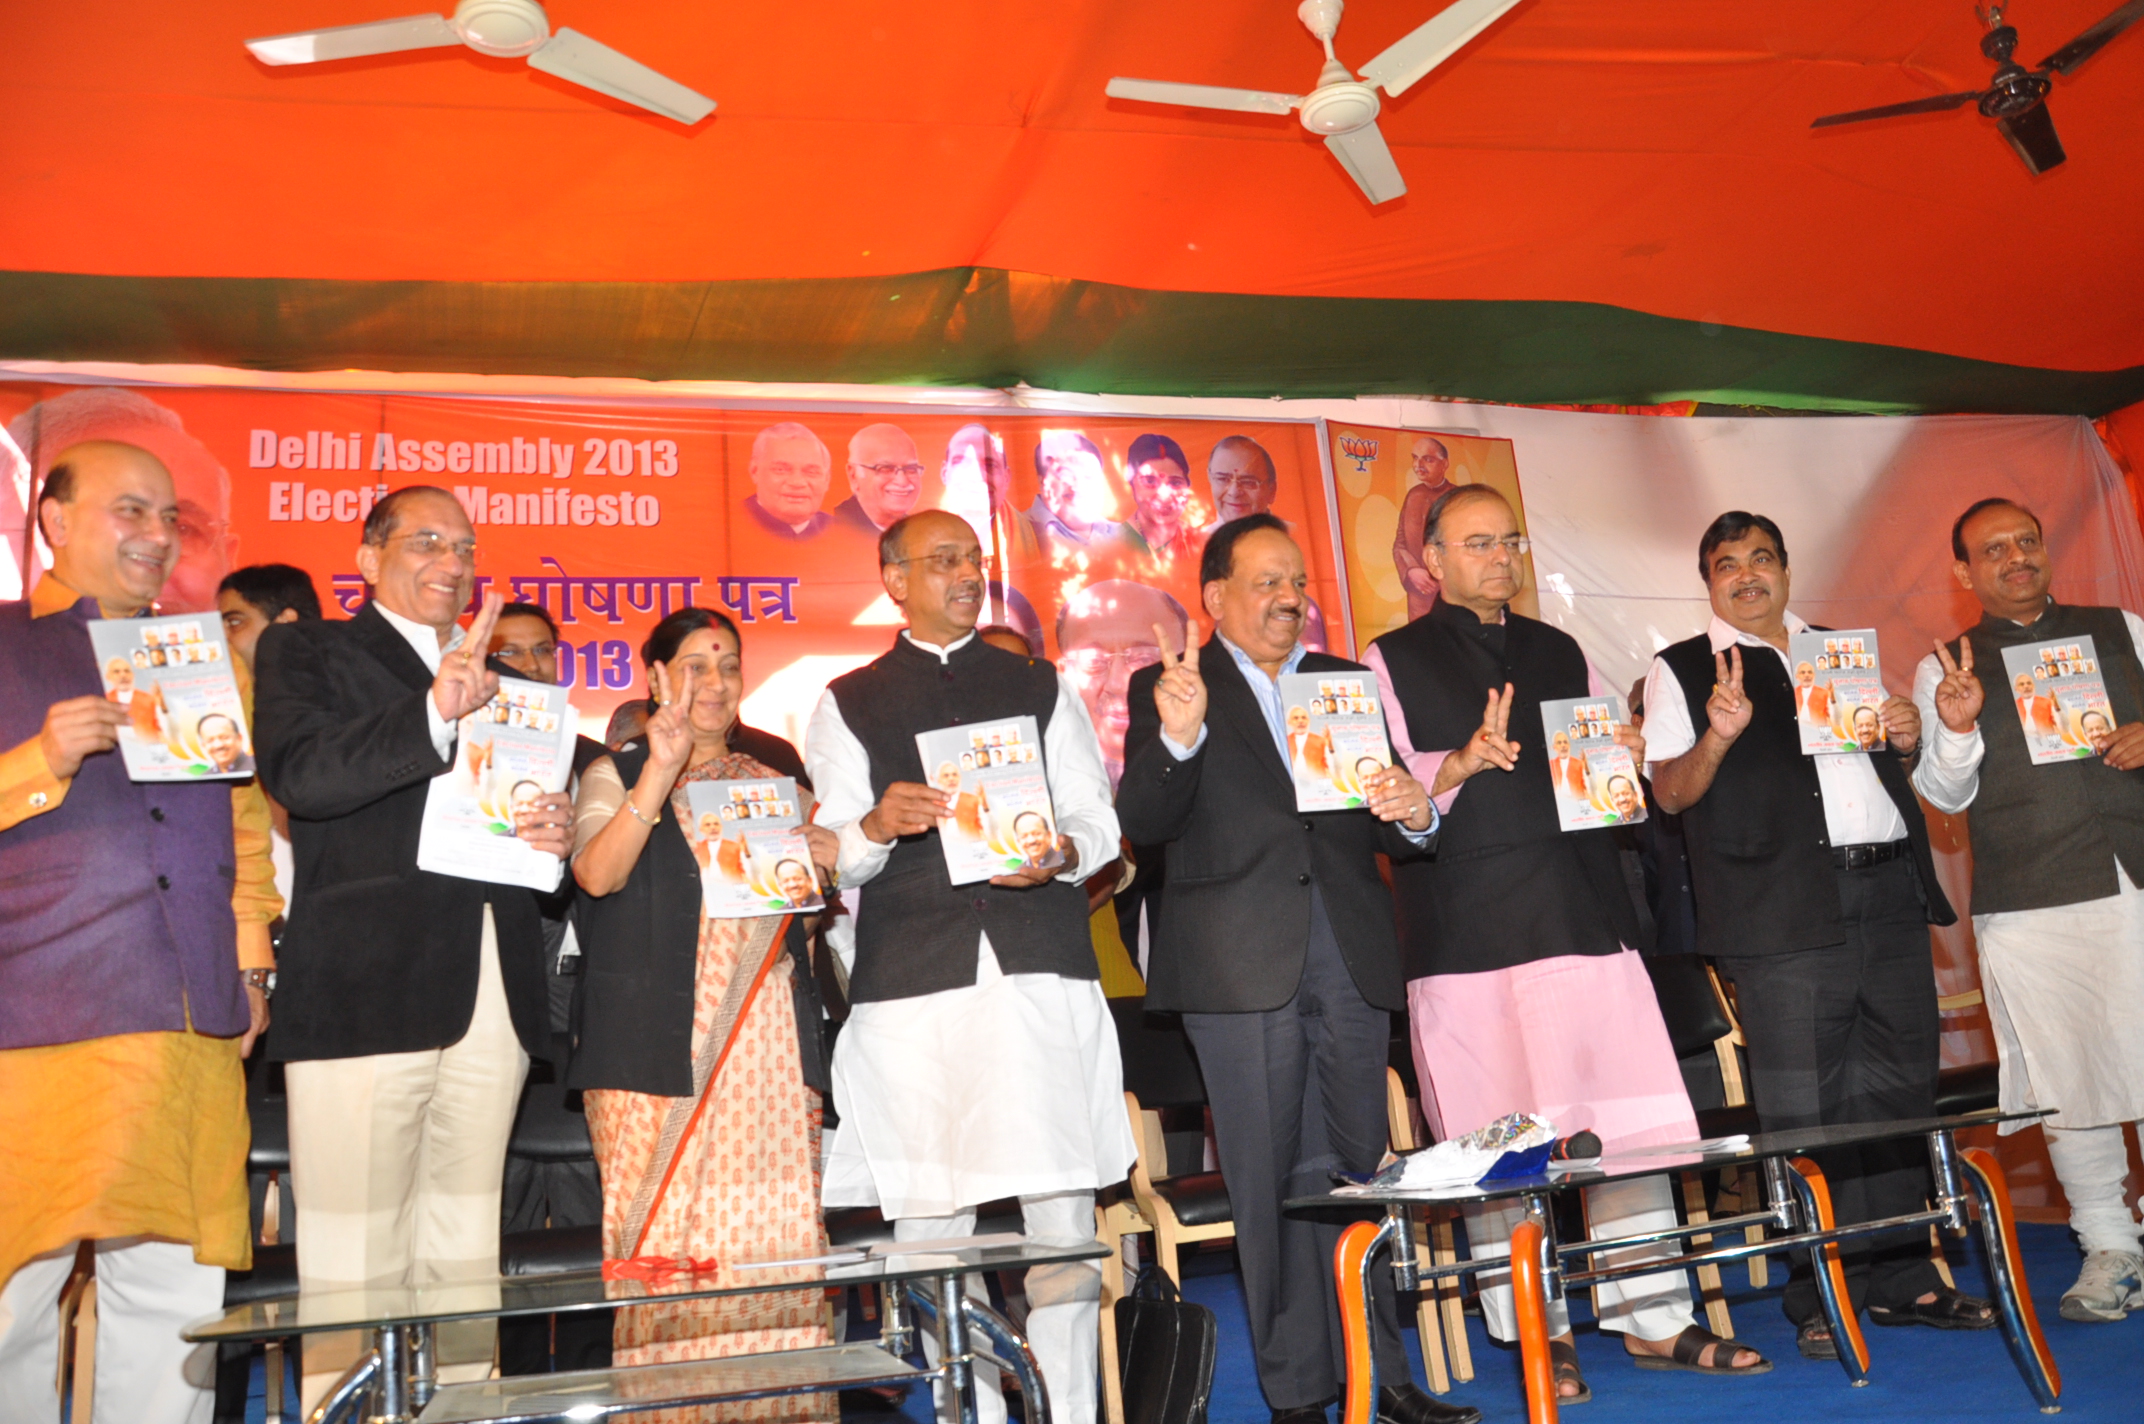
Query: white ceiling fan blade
355, 41
1428, 45
1203, 96
574, 57
1364, 155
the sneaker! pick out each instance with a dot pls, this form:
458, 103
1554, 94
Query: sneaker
2108, 1288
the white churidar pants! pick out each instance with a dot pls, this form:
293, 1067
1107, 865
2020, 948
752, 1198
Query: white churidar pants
1649, 1307
147, 1291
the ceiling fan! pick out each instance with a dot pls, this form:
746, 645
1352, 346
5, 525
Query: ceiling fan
1342, 107
506, 29
2017, 99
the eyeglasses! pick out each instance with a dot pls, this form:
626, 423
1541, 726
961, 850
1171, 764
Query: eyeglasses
425, 544
887, 471
538, 651
1481, 545
943, 563
1090, 664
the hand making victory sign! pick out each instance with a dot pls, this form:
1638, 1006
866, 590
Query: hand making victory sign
1959, 696
1728, 709
463, 683
1180, 693
1489, 746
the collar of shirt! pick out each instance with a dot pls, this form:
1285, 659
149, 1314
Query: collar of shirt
1267, 689
1725, 635
50, 596
422, 638
945, 653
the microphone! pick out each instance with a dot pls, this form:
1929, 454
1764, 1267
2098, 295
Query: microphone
1577, 1145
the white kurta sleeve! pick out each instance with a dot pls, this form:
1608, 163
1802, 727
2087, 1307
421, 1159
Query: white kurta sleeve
1668, 733
1079, 787
1949, 770
841, 778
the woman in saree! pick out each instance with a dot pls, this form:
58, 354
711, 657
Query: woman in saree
681, 1012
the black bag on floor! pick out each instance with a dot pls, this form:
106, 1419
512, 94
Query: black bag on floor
1165, 1353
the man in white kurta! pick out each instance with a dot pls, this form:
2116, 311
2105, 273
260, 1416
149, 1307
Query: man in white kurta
974, 1075
2058, 852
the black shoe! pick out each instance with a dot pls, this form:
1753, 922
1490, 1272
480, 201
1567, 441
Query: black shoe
1950, 1310
1407, 1404
1301, 1414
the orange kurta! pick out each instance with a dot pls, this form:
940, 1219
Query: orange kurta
139, 1134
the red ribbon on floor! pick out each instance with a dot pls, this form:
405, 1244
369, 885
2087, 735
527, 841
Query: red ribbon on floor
656, 1269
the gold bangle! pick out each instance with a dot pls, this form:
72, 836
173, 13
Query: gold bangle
638, 814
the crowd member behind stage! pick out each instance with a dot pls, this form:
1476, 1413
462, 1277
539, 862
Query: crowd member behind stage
979, 1060
407, 997
133, 977
2058, 856
1276, 945
1525, 987
251, 598
1815, 888
743, 1185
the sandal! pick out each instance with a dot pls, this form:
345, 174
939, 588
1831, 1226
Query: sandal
1688, 1353
1950, 1310
1813, 1339
1563, 1356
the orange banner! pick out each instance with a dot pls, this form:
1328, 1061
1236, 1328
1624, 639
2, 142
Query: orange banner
612, 514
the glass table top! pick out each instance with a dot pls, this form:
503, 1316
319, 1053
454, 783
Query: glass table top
1652, 1161
376, 1307
594, 1394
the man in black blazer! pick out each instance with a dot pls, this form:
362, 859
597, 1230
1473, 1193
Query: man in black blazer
408, 1002
1276, 943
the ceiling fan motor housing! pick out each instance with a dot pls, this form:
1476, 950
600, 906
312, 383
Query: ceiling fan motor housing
507, 29
1340, 104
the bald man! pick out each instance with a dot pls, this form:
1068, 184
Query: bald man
790, 472
207, 548
1428, 462
885, 475
134, 964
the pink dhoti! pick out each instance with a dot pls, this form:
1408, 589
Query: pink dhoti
1578, 1040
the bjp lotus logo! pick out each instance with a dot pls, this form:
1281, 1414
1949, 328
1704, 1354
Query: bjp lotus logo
1359, 448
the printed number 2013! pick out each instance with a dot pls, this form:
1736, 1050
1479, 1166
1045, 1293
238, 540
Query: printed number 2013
599, 665
650, 457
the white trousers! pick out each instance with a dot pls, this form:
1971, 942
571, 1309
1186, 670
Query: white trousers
1064, 1325
396, 1161
2092, 1164
147, 1291
1649, 1307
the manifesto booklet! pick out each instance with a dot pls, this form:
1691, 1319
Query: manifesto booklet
1335, 738
1838, 691
1595, 779
2061, 699
1002, 819
749, 839
173, 677
507, 754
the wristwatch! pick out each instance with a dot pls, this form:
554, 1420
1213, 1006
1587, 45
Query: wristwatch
261, 979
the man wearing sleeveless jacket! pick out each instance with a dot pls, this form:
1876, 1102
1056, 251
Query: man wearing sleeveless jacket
2058, 855
1815, 888
979, 1060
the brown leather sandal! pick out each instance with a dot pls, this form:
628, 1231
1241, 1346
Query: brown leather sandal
1688, 1353
1563, 1356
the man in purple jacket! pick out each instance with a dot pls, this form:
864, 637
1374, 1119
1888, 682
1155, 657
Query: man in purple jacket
134, 962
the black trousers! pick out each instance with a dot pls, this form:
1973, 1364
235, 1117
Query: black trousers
1850, 1033
1295, 1093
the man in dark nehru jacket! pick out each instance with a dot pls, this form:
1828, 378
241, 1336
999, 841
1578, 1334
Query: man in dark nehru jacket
407, 997
1276, 944
1815, 889
1525, 986
2058, 856
134, 961
979, 1060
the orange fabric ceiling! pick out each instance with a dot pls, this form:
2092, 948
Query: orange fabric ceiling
1649, 154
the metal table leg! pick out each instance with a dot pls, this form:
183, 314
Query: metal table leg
391, 1390
1012, 1348
340, 1404
2006, 1271
423, 1366
1815, 1193
1531, 1249
953, 1356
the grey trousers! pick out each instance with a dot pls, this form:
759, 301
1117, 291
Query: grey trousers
1296, 1092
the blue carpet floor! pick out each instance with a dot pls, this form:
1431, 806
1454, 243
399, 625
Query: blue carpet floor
1915, 1375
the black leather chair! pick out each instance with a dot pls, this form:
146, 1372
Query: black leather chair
550, 1130
274, 1274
